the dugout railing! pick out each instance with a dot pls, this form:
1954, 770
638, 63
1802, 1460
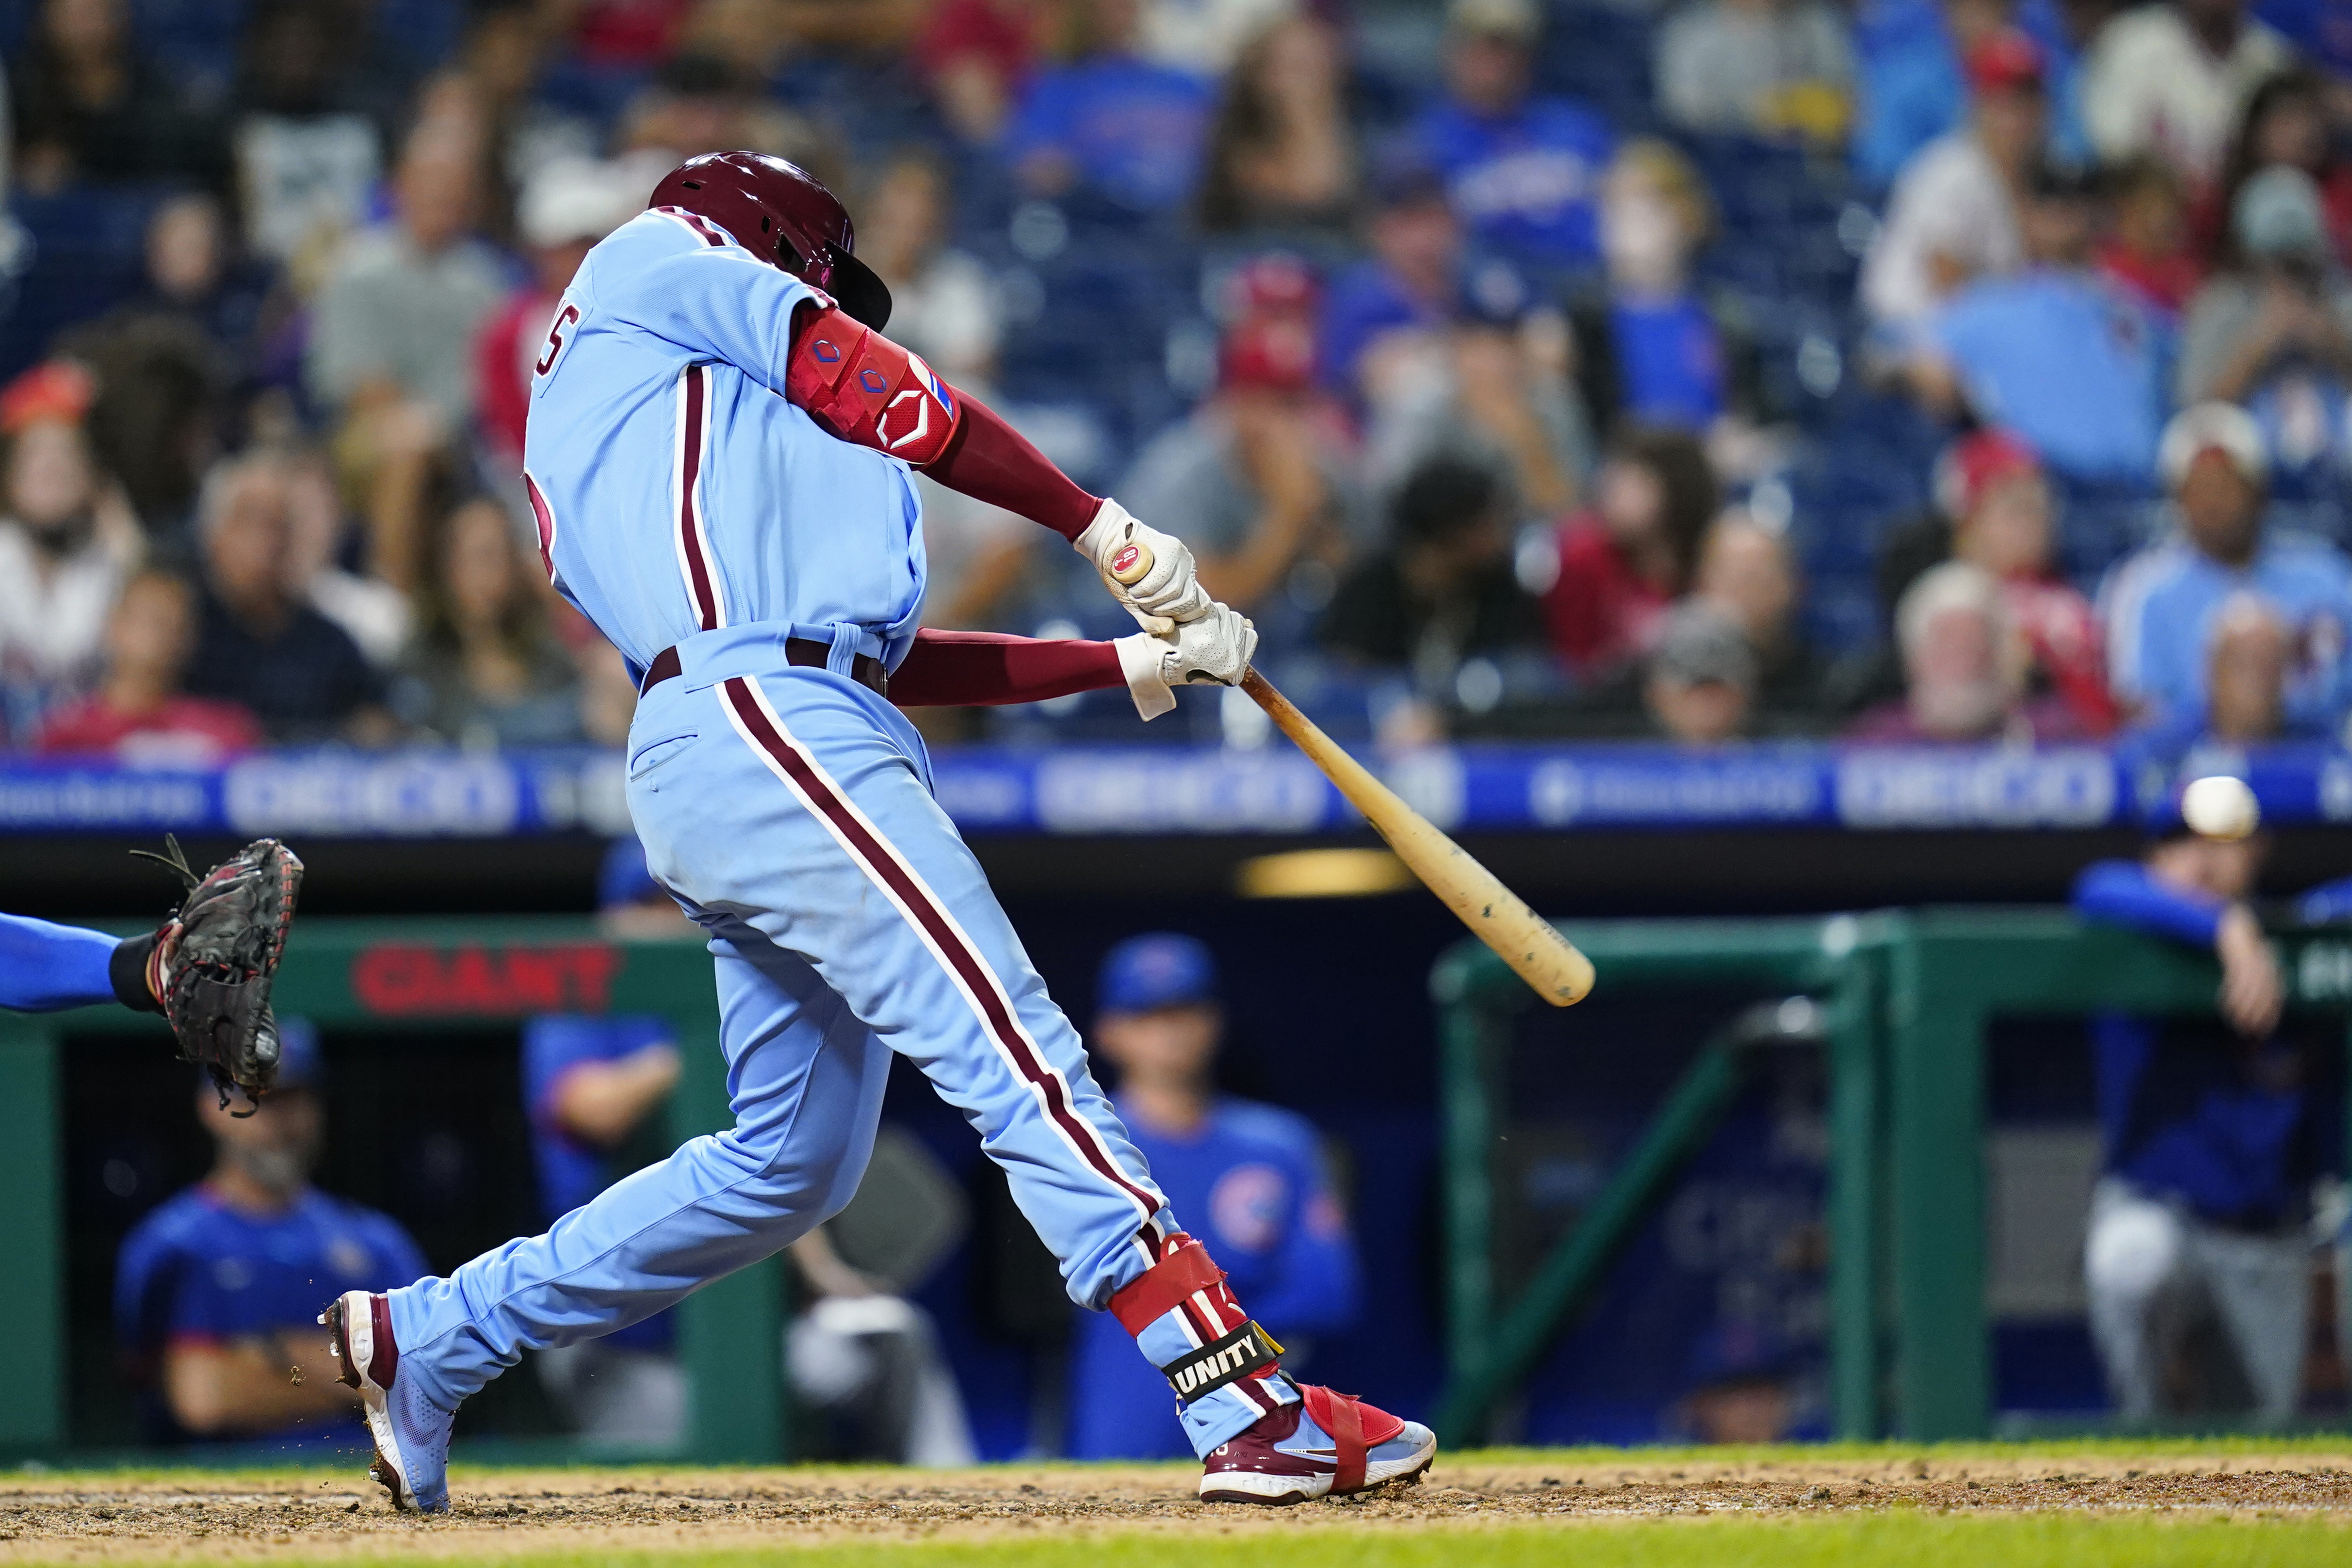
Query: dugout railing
1904, 999
352, 975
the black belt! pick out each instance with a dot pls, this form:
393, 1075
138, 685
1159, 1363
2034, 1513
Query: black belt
806, 652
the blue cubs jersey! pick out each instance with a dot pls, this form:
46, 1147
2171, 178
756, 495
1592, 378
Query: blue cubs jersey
45, 967
676, 490
1527, 183
1249, 1185
196, 1268
2231, 1128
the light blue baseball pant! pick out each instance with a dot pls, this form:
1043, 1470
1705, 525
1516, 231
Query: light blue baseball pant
791, 812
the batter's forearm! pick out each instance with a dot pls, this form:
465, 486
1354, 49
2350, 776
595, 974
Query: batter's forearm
982, 669
991, 461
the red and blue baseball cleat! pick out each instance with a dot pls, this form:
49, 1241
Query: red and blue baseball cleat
411, 1433
1326, 1445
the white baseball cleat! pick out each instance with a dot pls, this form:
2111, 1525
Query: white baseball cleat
411, 1433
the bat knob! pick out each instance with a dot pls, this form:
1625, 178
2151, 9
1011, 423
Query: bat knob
1133, 564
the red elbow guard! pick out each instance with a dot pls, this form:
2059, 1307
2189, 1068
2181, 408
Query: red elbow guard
863, 387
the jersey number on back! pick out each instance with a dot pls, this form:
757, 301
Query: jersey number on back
558, 334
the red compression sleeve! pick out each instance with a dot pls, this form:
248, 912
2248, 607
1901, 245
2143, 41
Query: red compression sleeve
989, 460
981, 669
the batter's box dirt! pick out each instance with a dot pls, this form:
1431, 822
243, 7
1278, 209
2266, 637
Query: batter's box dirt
196, 1515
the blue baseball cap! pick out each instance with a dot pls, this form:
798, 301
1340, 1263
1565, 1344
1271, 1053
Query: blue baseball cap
1159, 969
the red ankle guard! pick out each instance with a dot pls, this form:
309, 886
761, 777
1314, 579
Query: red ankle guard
1162, 1288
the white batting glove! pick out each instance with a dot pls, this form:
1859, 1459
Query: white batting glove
1167, 590
1216, 648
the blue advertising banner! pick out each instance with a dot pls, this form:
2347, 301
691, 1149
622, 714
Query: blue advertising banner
1178, 792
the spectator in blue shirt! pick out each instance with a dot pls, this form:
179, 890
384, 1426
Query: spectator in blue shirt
1404, 294
1110, 121
1523, 172
217, 1291
2161, 605
2055, 353
2213, 1135
1248, 1179
1654, 350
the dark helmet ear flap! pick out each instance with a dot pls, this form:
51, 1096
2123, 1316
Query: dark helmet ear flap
860, 291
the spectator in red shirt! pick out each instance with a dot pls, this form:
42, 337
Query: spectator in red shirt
138, 713
568, 206
1996, 491
1632, 554
977, 55
628, 34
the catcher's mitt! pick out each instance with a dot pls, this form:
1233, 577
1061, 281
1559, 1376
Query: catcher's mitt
211, 965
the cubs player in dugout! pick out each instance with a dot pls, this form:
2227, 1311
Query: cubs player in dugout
718, 453
1250, 1176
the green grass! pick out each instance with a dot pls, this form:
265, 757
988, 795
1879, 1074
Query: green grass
1900, 1537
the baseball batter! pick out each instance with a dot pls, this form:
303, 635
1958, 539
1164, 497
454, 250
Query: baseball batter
719, 454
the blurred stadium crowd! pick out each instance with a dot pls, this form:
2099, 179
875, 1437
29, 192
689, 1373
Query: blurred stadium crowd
1945, 370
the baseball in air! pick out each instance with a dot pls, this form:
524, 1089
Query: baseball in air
2220, 807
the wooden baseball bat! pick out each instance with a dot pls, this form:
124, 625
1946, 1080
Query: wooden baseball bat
1500, 918
1496, 916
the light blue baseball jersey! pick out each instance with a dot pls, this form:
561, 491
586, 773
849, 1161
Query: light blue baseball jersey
676, 491
2160, 606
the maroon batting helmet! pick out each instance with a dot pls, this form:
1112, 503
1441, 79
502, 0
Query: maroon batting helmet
785, 216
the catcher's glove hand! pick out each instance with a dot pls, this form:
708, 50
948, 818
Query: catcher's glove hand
209, 967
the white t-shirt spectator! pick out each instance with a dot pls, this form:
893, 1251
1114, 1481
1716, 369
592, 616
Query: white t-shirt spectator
2150, 85
53, 613
303, 178
1950, 201
1731, 67
949, 316
375, 614
1204, 35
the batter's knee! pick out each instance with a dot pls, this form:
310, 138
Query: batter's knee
812, 1174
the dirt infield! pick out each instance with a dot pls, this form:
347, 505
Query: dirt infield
190, 1515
